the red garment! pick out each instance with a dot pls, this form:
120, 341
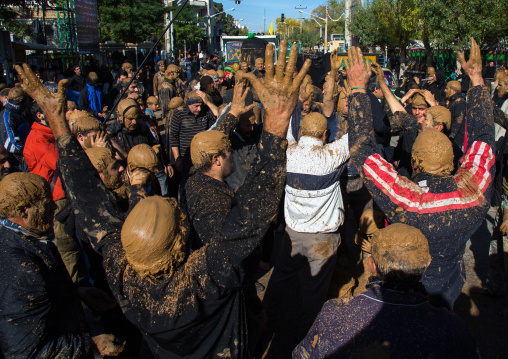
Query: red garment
41, 155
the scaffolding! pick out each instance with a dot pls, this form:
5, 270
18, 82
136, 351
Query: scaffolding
67, 36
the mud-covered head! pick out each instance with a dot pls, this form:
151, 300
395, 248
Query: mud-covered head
502, 87
431, 71
439, 118
154, 236
5, 165
175, 102
206, 146
26, 198
432, 153
142, 156
313, 125
260, 64
220, 74
452, 88
419, 105
83, 126
106, 165
127, 67
172, 72
161, 66
129, 113
400, 253
93, 78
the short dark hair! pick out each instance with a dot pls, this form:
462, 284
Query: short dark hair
373, 86
34, 109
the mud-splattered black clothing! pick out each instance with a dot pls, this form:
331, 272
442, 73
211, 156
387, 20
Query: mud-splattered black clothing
198, 311
246, 150
406, 125
447, 209
208, 203
40, 313
386, 323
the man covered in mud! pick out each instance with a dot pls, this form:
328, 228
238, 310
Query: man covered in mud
425, 114
313, 210
393, 317
41, 314
447, 209
185, 305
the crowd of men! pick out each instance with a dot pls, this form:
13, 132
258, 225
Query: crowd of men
135, 218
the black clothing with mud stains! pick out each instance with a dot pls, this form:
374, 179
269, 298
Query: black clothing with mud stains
407, 127
40, 313
198, 311
383, 322
246, 150
447, 209
208, 203
128, 139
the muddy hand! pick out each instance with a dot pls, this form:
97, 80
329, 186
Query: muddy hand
380, 76
279, 91
358, 71
239, 95
473, 67
53, 104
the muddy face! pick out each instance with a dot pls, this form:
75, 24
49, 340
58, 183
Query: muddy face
502, 88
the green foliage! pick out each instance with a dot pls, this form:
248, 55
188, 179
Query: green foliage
132, 20
335, 11
385, 22
450, 24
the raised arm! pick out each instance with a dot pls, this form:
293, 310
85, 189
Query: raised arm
93, 203
331, 84
258, 198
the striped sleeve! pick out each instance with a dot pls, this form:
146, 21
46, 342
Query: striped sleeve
473, 179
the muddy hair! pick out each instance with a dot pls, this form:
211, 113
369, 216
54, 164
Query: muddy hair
207, 162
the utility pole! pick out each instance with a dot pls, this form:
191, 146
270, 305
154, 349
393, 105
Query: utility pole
326, 29
300, 8
348, 19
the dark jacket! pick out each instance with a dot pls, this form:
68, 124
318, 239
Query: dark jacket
198, 311
208, 204
447, 209
40, 313
76, 83
457, 107
128, 139
386, 323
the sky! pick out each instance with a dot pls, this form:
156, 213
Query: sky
253, 11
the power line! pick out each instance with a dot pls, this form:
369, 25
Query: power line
300, 8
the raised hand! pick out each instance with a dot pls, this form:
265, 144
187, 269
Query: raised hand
335, 61
100, 140
473, 67
239, 95
279, 91
53, 104
380, 76
358, 71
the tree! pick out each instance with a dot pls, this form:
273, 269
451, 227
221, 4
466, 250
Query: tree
450, 24
335, 11
186, 28
386, 23
133, 21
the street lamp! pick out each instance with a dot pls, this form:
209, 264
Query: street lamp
326, 23
214, 15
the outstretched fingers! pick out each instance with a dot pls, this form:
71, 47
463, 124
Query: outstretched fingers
254, 81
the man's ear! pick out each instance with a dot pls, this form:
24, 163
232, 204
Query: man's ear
439, 127
372, 267
21, 212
